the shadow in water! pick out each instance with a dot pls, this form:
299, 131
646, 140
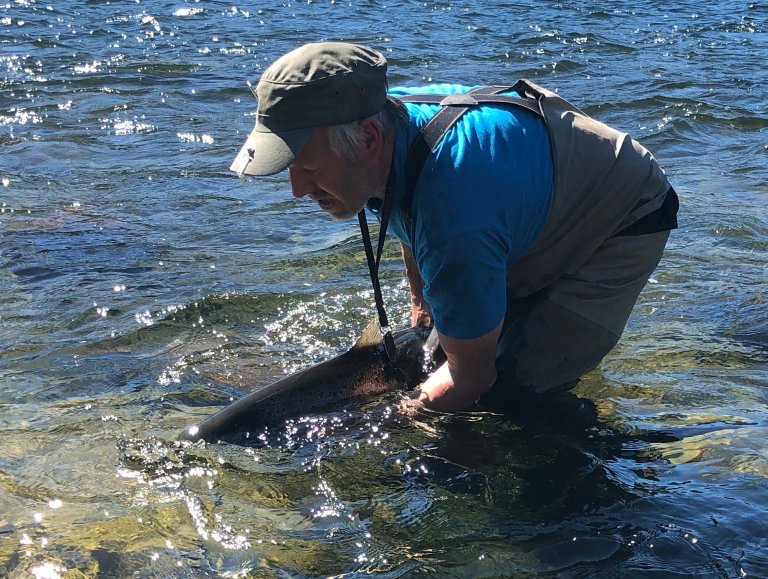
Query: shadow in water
558, 492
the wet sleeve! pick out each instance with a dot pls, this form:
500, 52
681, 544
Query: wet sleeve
465, 283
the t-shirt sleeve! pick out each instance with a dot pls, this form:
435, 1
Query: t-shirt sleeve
465, 283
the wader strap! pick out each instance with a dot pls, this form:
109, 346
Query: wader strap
452, 107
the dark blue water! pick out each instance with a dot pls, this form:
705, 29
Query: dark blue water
143, 286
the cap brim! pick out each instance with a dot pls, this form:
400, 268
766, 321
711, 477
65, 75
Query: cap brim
266, 153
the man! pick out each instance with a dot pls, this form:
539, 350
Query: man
528, 229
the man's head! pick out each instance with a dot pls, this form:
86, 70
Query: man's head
316, 85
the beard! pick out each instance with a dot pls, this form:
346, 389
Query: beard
349, 202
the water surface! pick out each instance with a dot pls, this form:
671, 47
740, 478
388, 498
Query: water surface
143, 286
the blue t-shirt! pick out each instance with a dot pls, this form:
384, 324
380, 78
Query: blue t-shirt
481, 200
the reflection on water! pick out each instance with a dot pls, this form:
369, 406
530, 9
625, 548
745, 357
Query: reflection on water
142, 287
476, 494
640, 487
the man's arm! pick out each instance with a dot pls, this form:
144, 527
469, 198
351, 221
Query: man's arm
470, 369
419, 307
469, 372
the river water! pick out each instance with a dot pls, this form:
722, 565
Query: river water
143, 286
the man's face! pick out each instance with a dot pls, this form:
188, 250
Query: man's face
339, 185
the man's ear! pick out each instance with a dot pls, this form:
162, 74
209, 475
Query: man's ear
373, 140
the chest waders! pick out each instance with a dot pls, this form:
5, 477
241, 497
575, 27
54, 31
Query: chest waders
605, 183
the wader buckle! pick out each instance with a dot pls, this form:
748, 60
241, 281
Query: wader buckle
458, 100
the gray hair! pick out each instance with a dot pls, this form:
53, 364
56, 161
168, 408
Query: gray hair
347, 139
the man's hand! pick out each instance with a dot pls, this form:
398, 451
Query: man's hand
421, 313
469, 372
470, 369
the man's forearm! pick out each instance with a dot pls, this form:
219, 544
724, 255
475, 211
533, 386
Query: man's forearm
419, 307
468, 373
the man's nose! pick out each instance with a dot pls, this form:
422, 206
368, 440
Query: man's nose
301, 183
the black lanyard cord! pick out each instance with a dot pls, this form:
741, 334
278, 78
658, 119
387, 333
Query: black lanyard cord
373, 268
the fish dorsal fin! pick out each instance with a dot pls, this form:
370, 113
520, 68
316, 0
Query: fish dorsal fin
371, 336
